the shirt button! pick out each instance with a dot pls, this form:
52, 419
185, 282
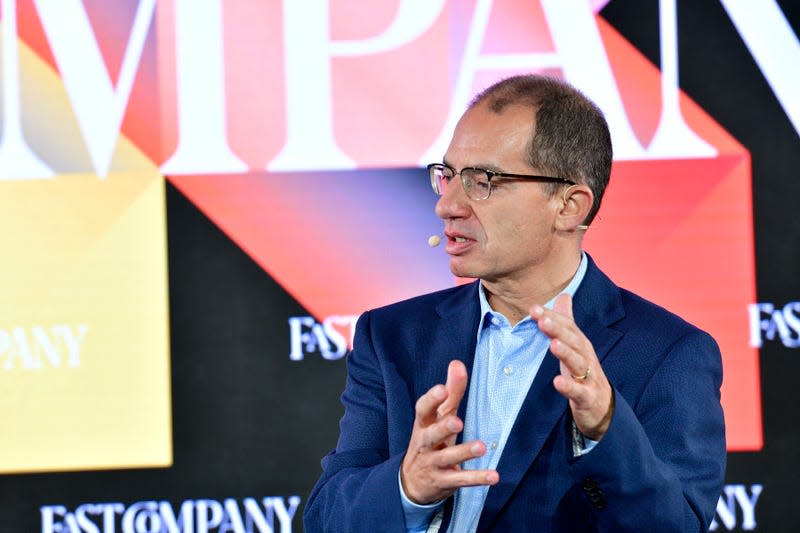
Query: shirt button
494, 444
508, 370
495, 321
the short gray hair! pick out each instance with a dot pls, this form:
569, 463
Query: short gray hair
571, 137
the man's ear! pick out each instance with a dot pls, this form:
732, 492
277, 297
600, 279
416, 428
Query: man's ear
576, 202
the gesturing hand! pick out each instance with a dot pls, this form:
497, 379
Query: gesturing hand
582, 380
431, 468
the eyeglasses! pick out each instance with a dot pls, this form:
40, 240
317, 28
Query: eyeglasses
477, 182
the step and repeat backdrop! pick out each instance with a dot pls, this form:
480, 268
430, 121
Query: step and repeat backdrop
199, 198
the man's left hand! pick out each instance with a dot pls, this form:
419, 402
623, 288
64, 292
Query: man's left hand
582, 380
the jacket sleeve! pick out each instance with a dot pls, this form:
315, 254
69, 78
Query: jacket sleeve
358, 490
661, 465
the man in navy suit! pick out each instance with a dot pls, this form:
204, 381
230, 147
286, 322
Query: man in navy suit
542, 397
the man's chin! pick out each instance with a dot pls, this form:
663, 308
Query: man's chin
460, 270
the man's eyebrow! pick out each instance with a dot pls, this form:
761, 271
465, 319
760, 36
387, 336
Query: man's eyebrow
480, 166
491, 167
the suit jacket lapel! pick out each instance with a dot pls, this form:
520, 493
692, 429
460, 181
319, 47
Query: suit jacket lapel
454, 336
596, 305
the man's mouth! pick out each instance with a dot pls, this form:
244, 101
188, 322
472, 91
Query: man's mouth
458, 244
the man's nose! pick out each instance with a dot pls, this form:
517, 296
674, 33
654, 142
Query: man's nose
453, 203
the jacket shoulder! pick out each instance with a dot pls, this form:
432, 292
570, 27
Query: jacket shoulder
660, 321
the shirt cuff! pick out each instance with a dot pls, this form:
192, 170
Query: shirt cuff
417, 516
581, 444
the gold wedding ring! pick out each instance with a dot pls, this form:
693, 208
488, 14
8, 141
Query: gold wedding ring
584, 376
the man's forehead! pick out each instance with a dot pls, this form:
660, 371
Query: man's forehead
512, 120
484, 133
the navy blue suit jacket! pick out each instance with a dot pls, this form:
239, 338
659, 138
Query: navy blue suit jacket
659, 468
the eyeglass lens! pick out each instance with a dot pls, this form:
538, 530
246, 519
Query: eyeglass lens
475, 181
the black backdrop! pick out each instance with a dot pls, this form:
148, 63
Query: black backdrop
718, 72
248, 422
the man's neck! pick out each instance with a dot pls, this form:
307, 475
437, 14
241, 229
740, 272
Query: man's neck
514, 297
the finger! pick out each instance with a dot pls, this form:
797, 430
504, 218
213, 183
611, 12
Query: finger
561, 313
575, 391
456, 386
454, 479
441, 432
591, 405
573, 362
580, 364
584, 394
558, 326
427, 405
456, 455
441, 483
563, 305
564, 322
568, 342
572, 350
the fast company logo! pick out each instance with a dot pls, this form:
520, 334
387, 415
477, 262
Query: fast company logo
737, 507
771, 322
270, 514
331, 338
41, 347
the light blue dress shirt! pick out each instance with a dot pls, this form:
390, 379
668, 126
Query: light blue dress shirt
507, 359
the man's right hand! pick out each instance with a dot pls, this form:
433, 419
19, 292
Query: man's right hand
431, 469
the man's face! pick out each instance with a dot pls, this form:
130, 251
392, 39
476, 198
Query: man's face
511, 233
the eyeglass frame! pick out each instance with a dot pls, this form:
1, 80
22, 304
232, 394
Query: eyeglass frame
489, 175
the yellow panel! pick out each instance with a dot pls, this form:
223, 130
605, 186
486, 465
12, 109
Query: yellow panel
84, 347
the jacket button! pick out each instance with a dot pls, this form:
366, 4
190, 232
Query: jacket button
594, 493
599, 502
